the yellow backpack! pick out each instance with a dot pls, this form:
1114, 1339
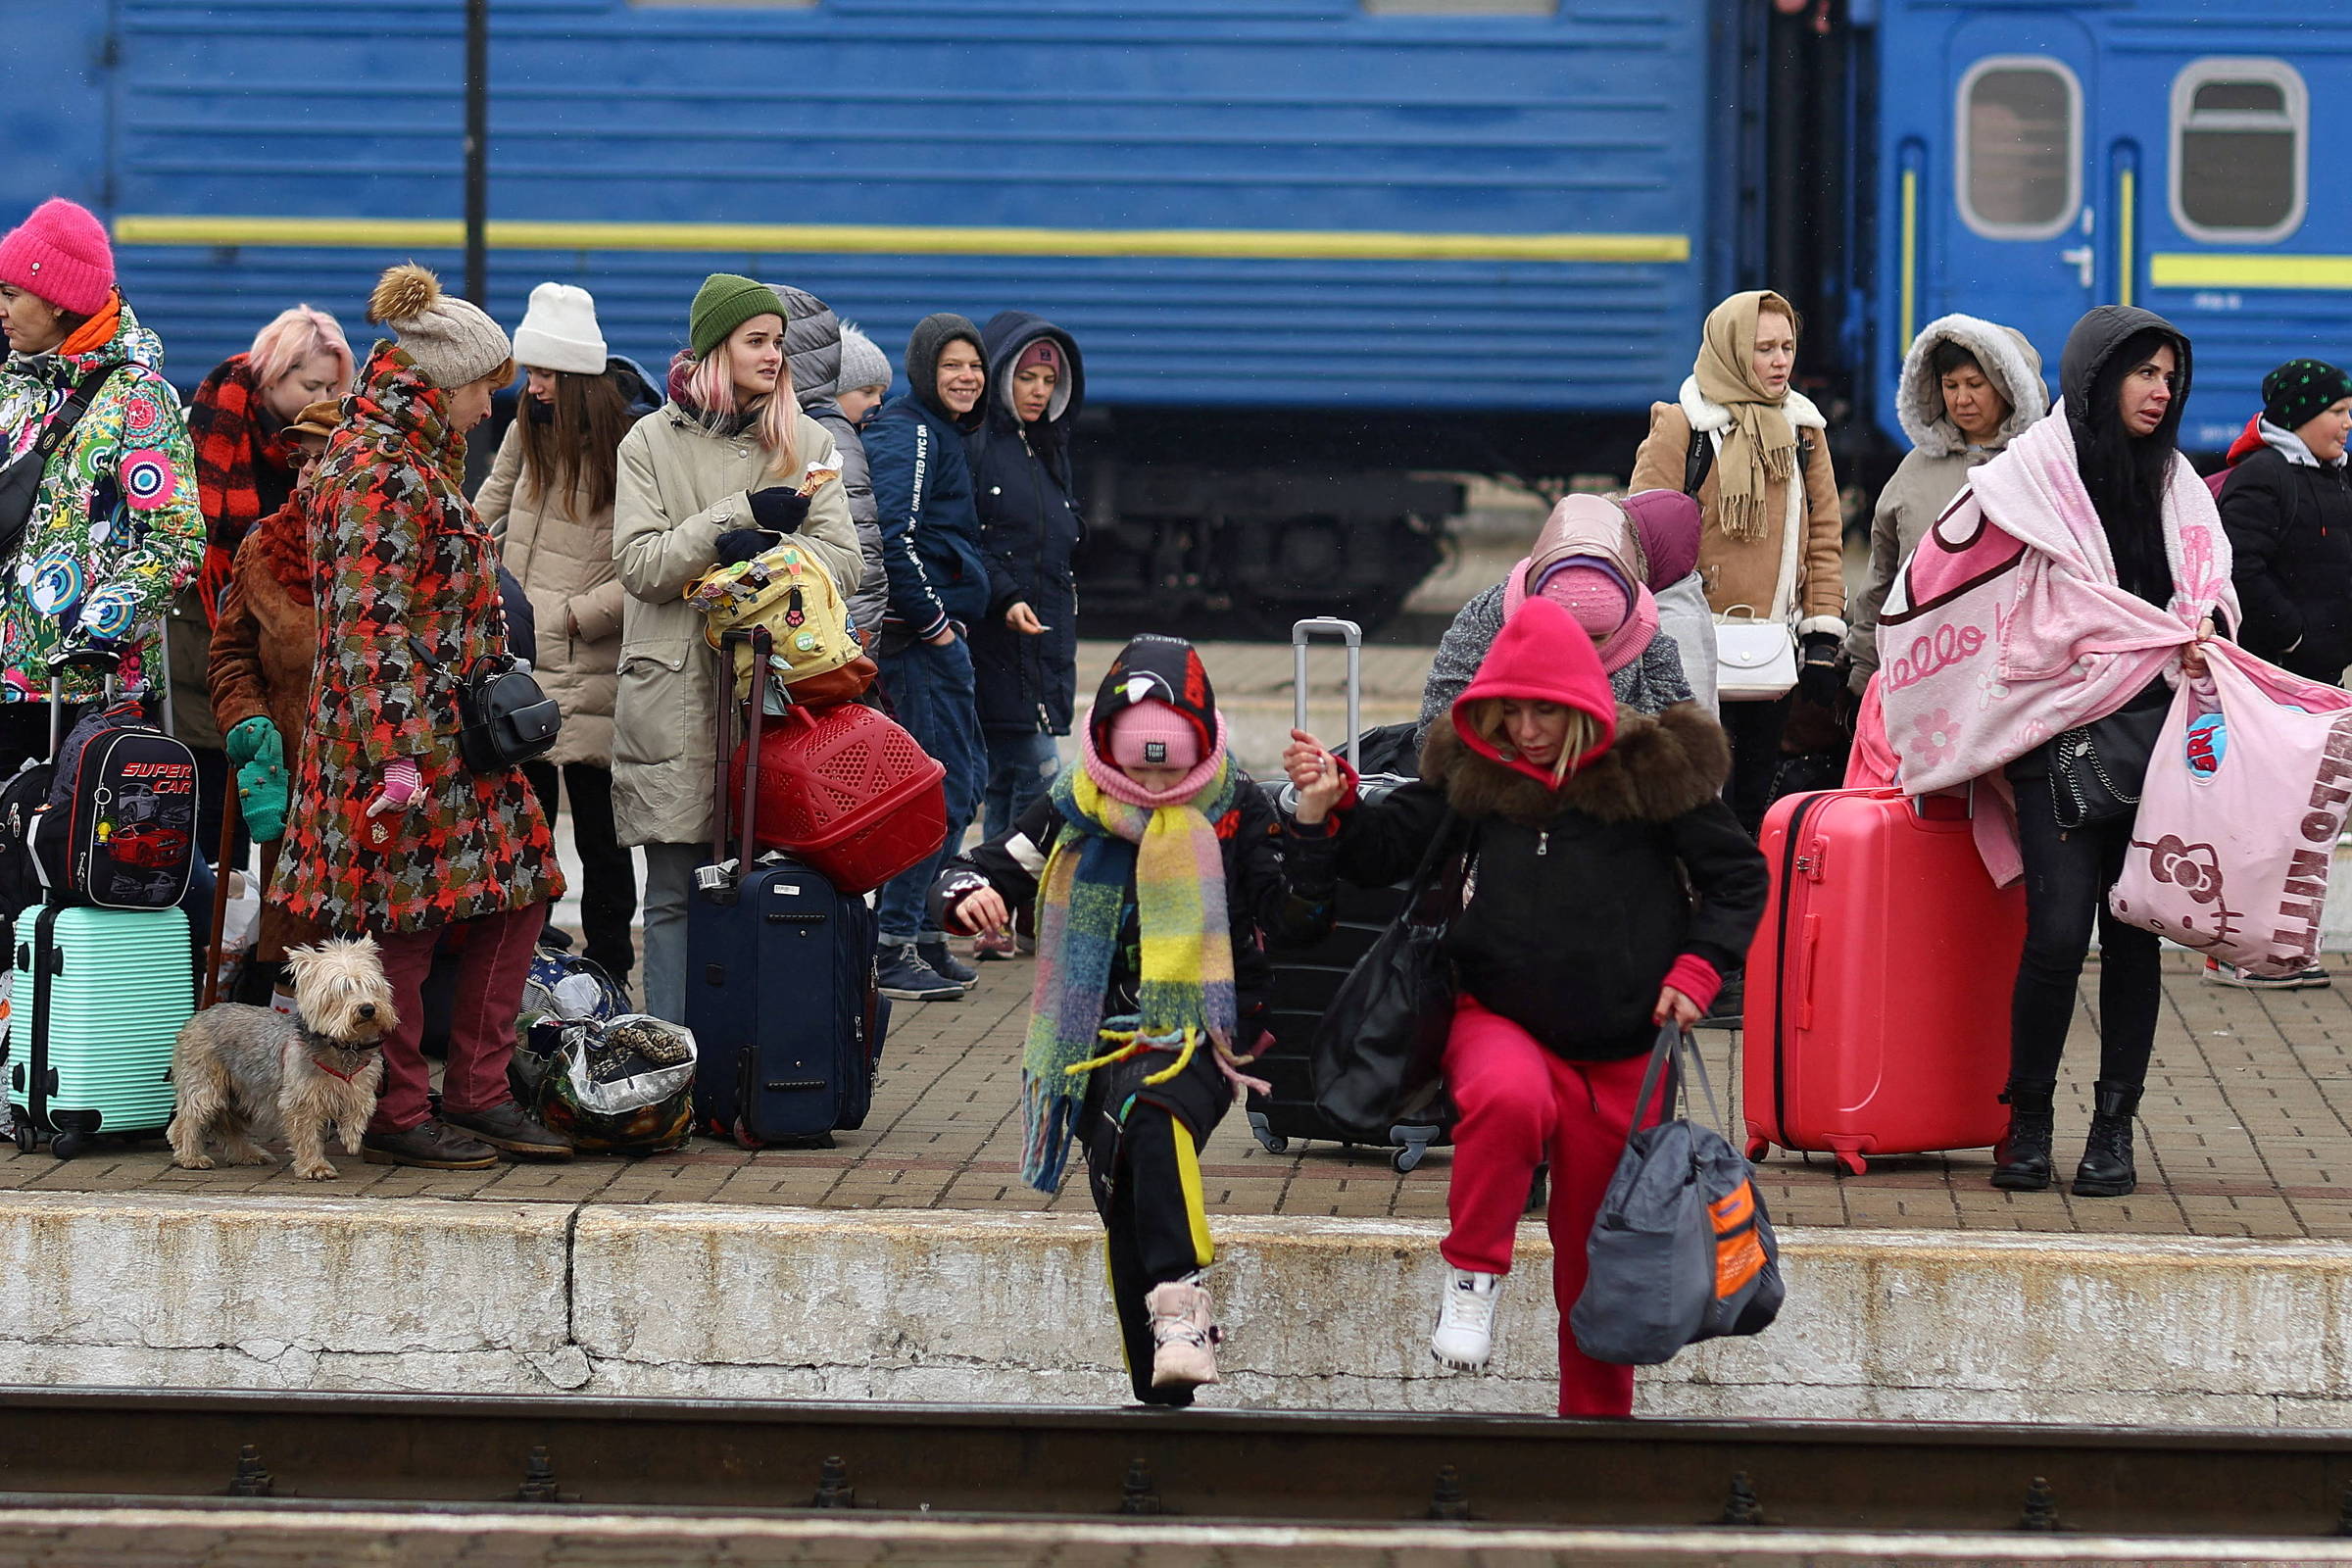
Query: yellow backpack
782, 589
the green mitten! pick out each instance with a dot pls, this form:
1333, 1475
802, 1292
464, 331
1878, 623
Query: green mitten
261, 780
245, 740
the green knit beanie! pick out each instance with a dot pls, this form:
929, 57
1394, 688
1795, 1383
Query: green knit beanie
723, 303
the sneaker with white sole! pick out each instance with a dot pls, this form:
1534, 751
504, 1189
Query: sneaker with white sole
2218, 973
1465, 1336
1183, 1336
901, 976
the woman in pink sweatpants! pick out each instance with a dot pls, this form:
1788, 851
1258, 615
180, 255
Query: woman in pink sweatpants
1606, 888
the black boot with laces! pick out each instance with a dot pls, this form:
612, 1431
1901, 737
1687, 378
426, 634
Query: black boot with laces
2021, 1159
2106, 1170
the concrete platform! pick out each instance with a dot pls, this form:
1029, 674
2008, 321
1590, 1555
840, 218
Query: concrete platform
2246, 1132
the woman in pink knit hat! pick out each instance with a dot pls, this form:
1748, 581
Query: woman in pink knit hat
93, 556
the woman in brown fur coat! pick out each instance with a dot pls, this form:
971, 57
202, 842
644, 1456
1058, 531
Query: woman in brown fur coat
260, 669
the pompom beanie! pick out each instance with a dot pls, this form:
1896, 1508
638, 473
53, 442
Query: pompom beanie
449, 339
61, 254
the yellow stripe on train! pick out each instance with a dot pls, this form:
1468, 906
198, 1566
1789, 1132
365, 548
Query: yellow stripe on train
402, 233
2225, 270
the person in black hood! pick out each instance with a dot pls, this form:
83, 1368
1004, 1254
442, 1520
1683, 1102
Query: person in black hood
938, 589
1154, 864
1025, 648
2125, 378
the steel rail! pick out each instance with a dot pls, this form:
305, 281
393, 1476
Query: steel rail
120, 1446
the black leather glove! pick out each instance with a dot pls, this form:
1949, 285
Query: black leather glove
779, 507
1819, 679
741, 543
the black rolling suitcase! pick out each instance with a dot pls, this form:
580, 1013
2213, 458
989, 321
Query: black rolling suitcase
780, 987
1305, 979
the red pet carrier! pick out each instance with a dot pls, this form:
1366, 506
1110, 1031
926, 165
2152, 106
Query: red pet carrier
848, 791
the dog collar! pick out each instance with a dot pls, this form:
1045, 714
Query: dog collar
331, 1074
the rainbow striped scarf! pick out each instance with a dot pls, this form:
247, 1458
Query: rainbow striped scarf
1172, 856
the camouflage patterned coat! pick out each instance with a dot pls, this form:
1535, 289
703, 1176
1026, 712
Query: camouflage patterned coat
398, 554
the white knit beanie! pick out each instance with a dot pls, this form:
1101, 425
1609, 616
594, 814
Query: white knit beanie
558, 333
449, 339
861, 363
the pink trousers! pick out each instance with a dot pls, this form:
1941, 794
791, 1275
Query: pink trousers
1519, 1105
496, 961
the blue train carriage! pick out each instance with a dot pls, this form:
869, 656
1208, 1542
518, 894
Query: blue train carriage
2183, 155
1313, 248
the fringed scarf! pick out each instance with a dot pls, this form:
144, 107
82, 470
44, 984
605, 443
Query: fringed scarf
224, 426
1170, 852
1760, 446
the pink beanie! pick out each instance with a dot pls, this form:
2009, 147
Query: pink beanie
1666, 522
60, 254
1594, 596
1154, 734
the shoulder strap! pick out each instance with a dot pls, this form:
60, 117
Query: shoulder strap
68, 414
1699, 462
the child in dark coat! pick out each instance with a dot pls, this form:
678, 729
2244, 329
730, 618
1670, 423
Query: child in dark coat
1587, 829
1156, 866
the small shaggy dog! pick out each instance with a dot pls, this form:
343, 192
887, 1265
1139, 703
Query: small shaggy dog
243, 1068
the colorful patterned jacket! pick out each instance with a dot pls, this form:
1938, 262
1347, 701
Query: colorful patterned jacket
116, 532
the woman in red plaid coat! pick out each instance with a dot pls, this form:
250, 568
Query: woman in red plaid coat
390, 833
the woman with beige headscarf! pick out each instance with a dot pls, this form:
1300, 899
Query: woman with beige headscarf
1770, 544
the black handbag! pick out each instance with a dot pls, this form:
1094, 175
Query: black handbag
20, 480
1379, 1046
504, 718
2099, 769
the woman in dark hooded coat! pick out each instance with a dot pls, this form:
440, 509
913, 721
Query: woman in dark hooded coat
1025, 648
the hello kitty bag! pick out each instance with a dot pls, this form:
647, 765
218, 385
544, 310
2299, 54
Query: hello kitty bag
2236, 828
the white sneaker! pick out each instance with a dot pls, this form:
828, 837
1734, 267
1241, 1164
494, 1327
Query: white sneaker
1183, 1336
1465, 1336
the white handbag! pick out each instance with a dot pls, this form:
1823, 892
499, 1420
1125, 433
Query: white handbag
1755, 659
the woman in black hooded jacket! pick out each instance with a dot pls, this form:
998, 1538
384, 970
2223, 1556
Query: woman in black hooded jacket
1025, 648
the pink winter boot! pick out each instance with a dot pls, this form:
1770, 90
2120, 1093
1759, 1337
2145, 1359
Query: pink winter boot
1184, 1334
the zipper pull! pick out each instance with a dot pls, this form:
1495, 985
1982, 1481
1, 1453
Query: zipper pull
1544, 841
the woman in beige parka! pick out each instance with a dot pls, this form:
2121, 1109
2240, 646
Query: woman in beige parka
549, 504
1968, 387
728, 451
1770, 543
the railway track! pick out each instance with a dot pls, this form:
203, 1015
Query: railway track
313, 1452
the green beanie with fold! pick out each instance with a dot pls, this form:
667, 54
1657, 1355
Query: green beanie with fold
725, 302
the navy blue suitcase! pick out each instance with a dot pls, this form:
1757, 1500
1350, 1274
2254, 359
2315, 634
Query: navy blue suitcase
780, 989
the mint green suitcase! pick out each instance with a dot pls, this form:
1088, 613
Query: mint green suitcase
96, 998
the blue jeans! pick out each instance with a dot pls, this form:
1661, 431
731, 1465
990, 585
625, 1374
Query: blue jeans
1022, 765
931, 690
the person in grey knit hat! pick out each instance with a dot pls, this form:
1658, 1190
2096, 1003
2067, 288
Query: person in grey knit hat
865, 380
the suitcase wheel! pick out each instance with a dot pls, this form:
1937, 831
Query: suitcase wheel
1406, 1159
1272, 1141
1758, 1146
1851, 1164
743, 1135
64, 1145
28, 1138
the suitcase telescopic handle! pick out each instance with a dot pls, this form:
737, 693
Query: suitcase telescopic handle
762, 645
1305, 631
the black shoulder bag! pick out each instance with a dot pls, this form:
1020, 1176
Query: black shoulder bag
20, 480
1379, 1042
2099, 769
504, 718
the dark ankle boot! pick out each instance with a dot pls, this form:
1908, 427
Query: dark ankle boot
2021, 1159
2106, 1170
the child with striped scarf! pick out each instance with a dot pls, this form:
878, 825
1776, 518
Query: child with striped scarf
1159, 871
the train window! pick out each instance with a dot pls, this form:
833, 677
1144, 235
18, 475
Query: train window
2241, 129
2020, 147
1462, 8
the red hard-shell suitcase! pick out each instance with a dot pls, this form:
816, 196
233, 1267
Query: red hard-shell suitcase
1878, 988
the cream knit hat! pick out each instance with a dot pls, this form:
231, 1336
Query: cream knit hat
450, 339
558, 333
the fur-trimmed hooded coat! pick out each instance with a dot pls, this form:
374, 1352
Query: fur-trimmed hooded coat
1576, 899
1941, 459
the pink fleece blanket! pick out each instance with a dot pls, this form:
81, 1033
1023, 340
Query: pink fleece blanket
2008, 625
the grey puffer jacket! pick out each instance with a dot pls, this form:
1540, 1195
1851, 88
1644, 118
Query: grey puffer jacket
812, 353
1939, 460
1651, 683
